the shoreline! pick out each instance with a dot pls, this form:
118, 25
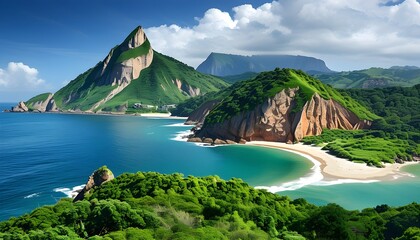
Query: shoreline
147, 115
334, 168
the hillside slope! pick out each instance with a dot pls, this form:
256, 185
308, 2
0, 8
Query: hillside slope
220, 64
373, 78
282, 105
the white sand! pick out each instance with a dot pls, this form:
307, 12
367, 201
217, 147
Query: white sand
334, 168
160, 115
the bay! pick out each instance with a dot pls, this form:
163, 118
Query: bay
44, 156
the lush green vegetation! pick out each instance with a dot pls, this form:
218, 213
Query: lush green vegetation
156, 206
248, 94
398, 129
38, 98
373, 78
399, 107
364, 146
240, 77
185, 108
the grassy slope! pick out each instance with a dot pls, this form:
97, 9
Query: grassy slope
157, 206
249, 94
41, 97
156, 84
356, 79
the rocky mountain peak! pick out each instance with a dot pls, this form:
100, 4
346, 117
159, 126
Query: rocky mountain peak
136, 38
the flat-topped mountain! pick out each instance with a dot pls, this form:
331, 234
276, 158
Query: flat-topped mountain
281, 105
131, 75
220, 64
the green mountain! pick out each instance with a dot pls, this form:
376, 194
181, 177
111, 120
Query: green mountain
220, 64
373, 78
133, 73
156, 206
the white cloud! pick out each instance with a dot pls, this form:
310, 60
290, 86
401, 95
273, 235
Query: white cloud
347, 34
19, 80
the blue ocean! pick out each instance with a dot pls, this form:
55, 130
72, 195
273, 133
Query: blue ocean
45, 157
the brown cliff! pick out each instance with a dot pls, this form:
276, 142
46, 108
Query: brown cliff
198, 116
277, 119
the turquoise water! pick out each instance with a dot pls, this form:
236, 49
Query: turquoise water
361, 195
44, 156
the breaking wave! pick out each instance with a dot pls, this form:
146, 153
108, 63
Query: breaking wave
71, 193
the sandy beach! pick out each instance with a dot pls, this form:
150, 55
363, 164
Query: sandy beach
160, 115
333, 168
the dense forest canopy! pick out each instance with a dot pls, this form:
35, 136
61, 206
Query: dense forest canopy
156, 206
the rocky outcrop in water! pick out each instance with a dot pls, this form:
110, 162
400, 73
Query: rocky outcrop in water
97, 178
21, 107
277, 119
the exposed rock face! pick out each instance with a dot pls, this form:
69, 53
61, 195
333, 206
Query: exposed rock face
186, 88
97, 178
275, 120
320, 113
52, 107
197, 116
21, 107
41, 105
121, 74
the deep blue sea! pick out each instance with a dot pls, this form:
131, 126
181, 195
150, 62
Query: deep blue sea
43, 157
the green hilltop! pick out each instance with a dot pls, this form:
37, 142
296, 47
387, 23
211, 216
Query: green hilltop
248, 94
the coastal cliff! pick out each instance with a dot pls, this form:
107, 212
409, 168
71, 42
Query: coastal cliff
287, 116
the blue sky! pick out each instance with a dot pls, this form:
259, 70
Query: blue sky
46, 43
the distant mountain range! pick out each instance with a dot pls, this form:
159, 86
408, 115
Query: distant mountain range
220, 64
131, 76
401, 76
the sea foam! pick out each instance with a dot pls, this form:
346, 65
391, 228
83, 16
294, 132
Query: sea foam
71, 193
32, 195
182, 136
178, 125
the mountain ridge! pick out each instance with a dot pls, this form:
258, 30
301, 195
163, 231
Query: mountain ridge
374, 77
220, 64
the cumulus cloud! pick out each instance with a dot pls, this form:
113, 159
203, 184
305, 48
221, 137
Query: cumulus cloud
19, 80
347, 34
